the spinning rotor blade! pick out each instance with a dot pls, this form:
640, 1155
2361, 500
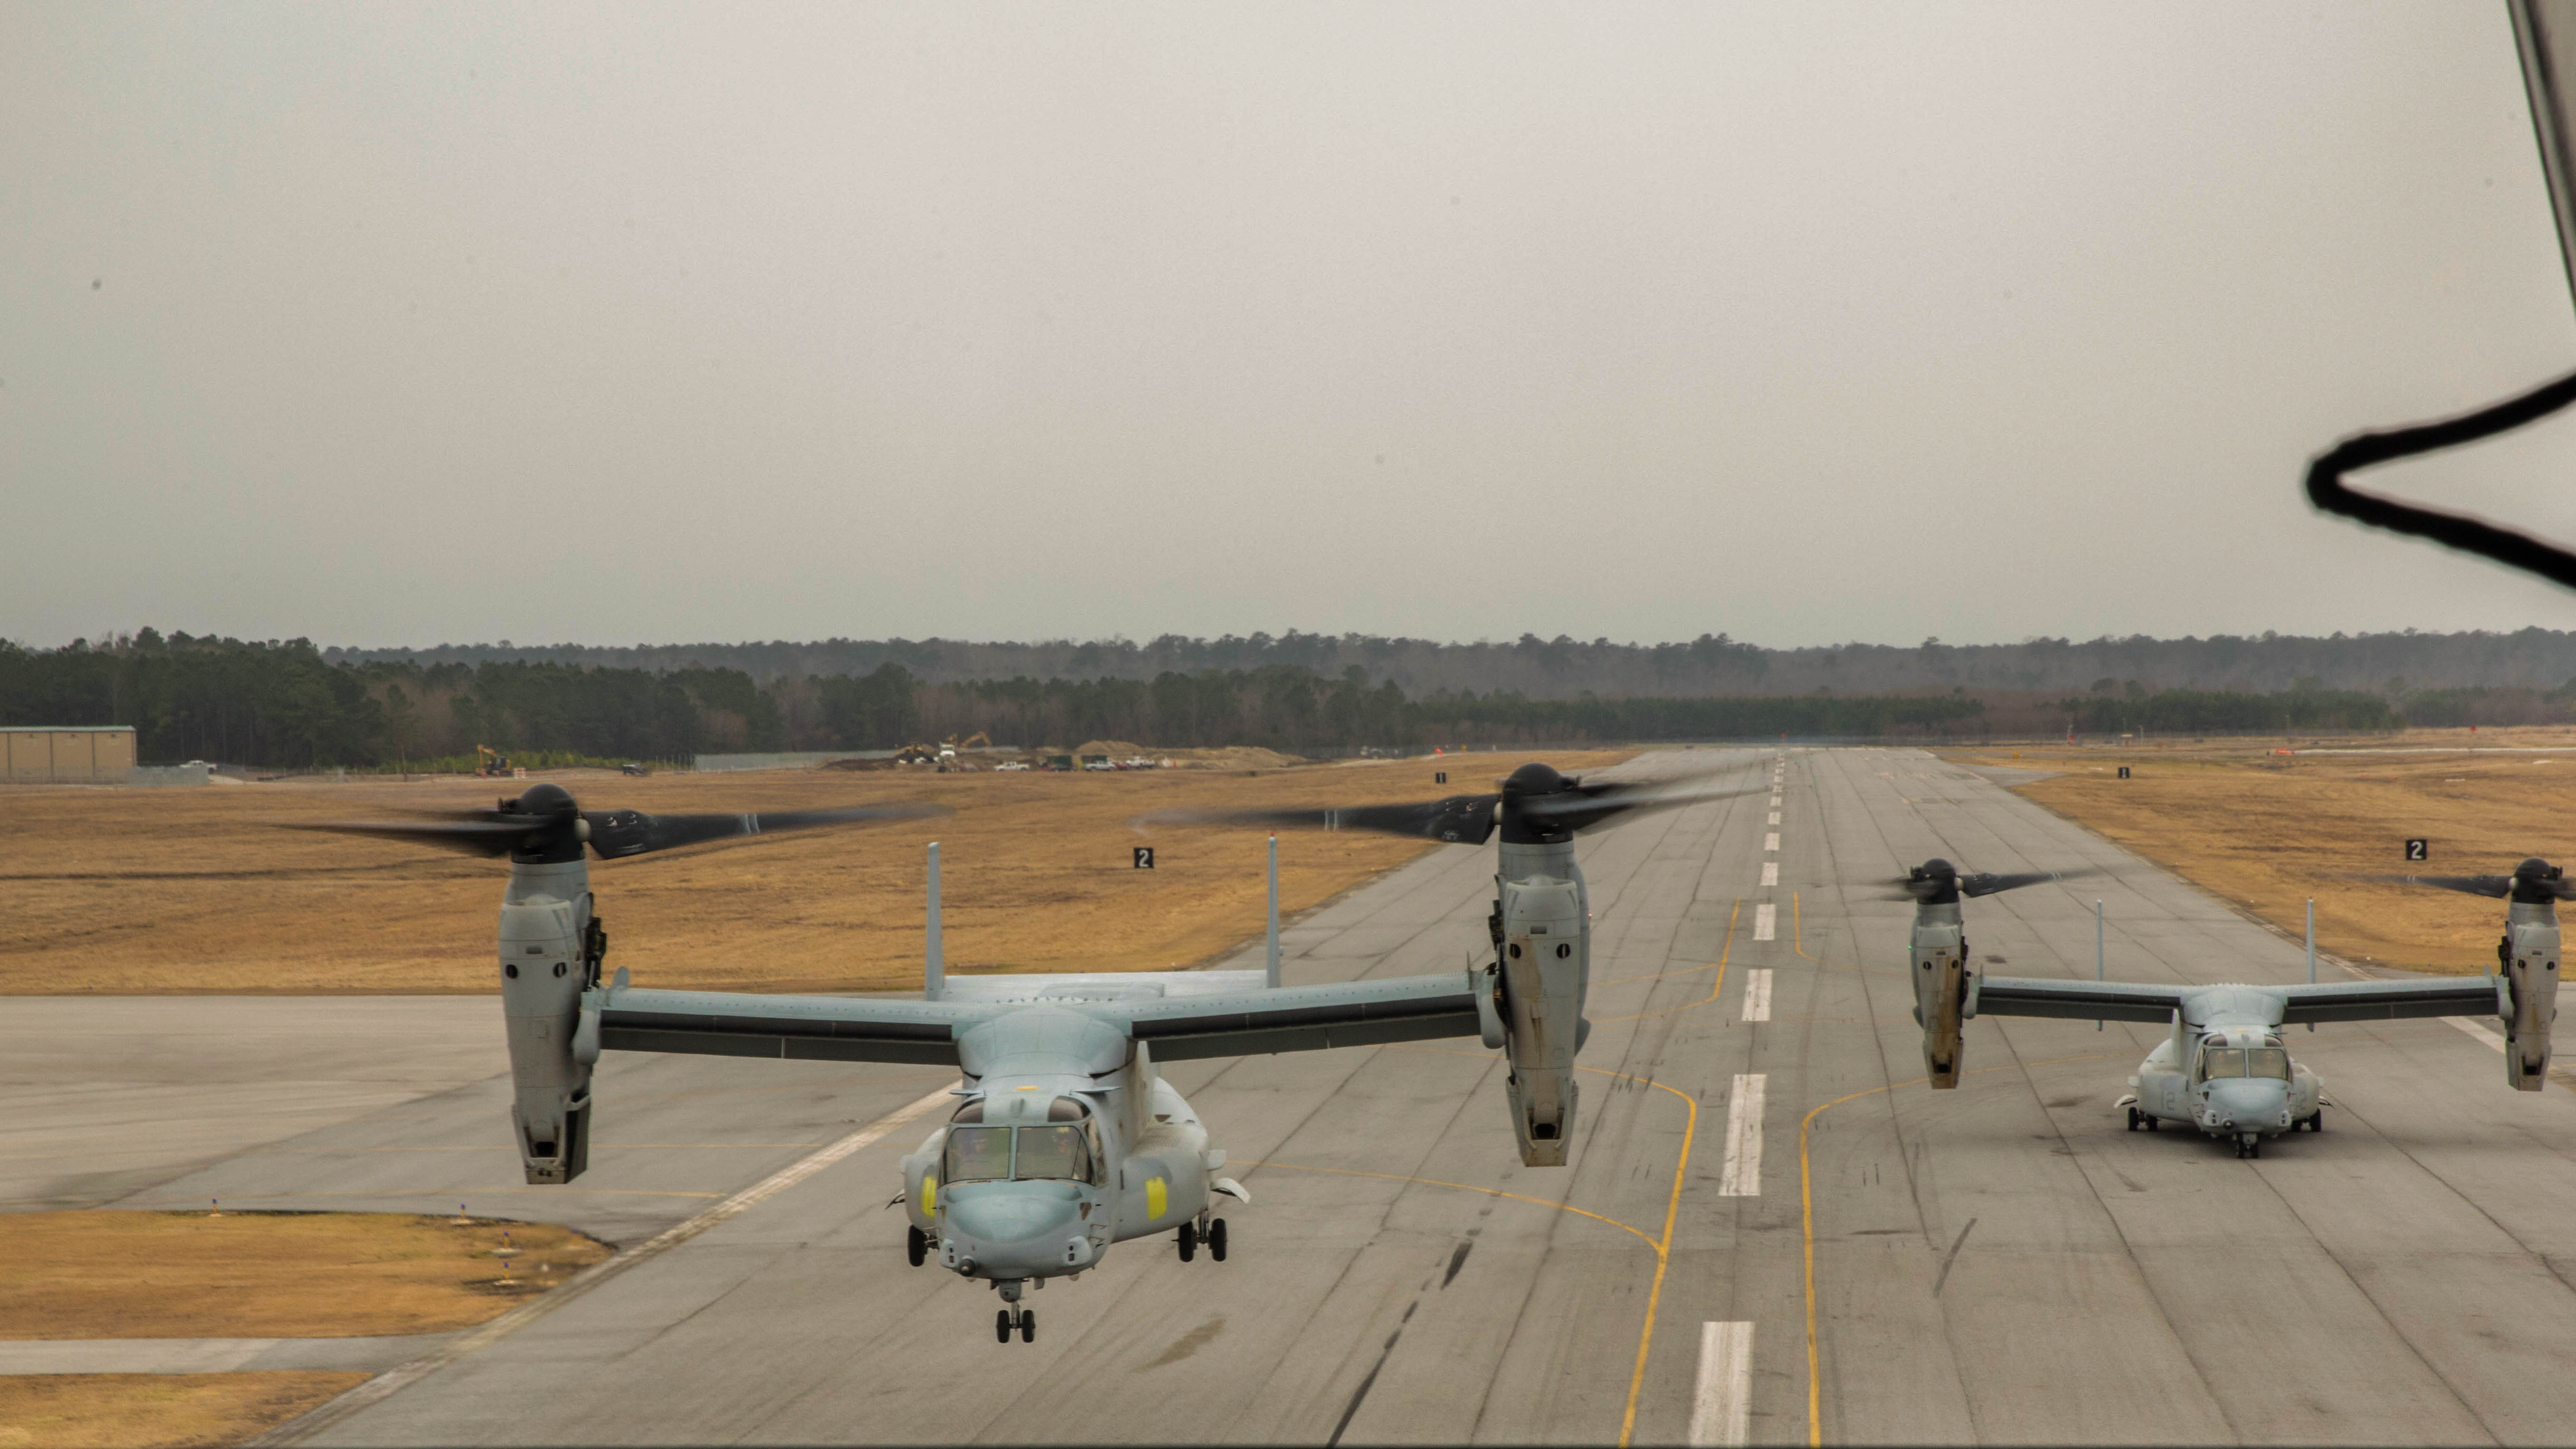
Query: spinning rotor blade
1458, 819
616, 834
544, 822
1937, 881
479, 833
1587, 807
1990, 884
2533, 880
2495, 886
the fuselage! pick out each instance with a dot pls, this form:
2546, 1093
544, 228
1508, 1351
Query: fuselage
2231, 1078
1062, 1144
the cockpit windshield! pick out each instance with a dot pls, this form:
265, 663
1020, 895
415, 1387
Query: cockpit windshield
2227, 1061
1052, 1152
977, 1154
987, 1154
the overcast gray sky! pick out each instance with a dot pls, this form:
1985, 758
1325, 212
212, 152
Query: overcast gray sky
391, 324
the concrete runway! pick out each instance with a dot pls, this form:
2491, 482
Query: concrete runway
2001, 1263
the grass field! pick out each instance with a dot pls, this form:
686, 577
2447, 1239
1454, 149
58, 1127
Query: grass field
2267, 831
193, 890
162, 1411
119, 1274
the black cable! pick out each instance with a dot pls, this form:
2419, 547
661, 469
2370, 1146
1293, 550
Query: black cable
2328, 491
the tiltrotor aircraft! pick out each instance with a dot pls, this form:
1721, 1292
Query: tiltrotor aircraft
2225, 1068
1065, 1138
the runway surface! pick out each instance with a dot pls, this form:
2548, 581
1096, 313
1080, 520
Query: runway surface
1999, 1263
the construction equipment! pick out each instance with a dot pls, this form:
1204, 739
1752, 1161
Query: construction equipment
490, 764
949, 748
916, 755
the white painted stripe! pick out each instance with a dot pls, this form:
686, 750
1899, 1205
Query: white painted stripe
2486, 1034
1757, 995
1770, 872
1775, 816
1722, 1403
1771, 841
1766, 920
1742, 1175
385, 1385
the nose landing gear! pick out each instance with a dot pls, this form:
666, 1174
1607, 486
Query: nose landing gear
1013, 1315
2249, 1145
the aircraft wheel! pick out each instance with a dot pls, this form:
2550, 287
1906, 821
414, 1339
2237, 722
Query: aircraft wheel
916, 1245
1216, 1240
1189, 1241
2135, 1117
2253, 1147
1002, 1325
2151, 1123
1028, 1325
2317, 1120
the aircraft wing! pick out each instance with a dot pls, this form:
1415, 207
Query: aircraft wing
1303, 1018
2076, 1000
799, 1028
1245, 1022
2378, 1000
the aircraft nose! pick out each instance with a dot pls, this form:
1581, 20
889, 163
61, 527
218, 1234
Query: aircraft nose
2249, 1104
1015, 1229
1005, 1215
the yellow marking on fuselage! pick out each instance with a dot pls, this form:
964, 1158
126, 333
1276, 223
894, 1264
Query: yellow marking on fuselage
929, 1195
1157, 1198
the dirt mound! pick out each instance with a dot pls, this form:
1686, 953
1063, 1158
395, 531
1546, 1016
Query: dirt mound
1235, 757
1114, 749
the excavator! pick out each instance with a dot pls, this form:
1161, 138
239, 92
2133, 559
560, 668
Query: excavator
490, 764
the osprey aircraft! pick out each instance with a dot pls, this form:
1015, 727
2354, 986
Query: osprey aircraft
2225, 1068
1065, 1140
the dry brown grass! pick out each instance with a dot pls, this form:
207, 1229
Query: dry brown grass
111, 891
161, 1411
2267, 832
119, 1274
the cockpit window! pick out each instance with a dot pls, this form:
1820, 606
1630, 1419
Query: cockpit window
2222, 1062
977, 1154
1058, 1152
2269, 1062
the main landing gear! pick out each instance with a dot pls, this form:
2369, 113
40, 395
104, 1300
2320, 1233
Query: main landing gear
916, 1245
1212, 1233
2141, 1121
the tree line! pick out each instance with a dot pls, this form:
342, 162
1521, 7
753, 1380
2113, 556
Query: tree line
286, 704
2390, 664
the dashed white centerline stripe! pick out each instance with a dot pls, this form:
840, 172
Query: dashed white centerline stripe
1766, 921
1757, 995
1775, 815
1722, 1403
1742, 1175
1770, 872
1771, 841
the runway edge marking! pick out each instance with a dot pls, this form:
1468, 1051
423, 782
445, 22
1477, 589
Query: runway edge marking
393, 1381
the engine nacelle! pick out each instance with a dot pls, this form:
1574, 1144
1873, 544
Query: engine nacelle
1545, 969
546, 964
1940, 952
2529, 953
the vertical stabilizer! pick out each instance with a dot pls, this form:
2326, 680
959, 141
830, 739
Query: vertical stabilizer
1271, 966
934, 963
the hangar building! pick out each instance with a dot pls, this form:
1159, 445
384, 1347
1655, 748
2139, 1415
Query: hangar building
69, 754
